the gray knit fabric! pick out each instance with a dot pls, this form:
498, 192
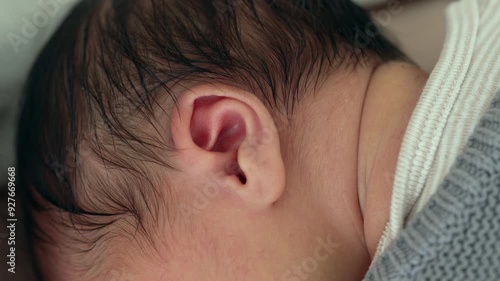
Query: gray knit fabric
457, 235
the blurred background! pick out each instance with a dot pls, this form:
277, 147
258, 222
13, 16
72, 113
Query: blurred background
25, 26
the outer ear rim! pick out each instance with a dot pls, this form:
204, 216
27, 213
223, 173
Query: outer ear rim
263, 186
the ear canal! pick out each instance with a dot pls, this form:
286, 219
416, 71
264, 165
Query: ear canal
216, 129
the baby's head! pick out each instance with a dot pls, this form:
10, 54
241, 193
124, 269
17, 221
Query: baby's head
200, 140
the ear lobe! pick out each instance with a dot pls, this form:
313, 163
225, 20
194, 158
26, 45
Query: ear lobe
217, 127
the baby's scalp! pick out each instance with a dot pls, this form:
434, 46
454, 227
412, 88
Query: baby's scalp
92, 144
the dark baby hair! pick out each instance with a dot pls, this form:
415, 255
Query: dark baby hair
91, 133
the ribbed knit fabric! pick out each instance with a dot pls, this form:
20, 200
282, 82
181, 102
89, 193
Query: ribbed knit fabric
458, 93
456, 236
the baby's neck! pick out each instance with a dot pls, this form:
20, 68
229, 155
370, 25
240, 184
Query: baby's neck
392, 95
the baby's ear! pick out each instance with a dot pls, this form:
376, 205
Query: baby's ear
226, 134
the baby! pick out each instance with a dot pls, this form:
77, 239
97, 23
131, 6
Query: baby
203, 140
